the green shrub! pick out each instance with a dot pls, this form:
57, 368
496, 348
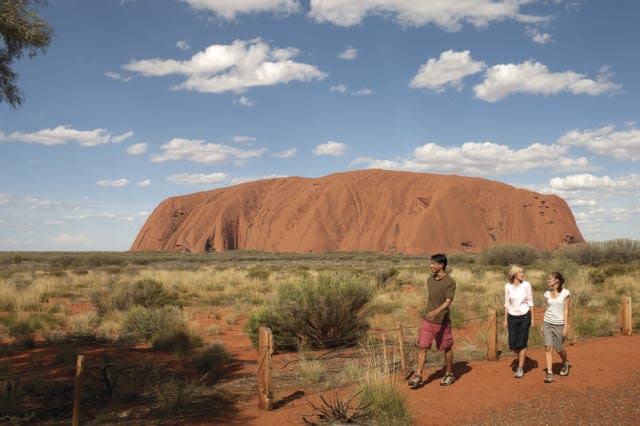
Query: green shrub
121, 296
511, 254
213, 360
386, 405
322, 312
177, 341
619, 251
142, 324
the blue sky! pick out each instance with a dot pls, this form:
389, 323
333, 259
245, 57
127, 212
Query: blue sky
139, 100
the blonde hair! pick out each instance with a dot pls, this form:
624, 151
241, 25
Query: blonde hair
515, 269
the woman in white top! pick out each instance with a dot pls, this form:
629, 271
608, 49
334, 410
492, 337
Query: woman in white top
555, 327
518, 315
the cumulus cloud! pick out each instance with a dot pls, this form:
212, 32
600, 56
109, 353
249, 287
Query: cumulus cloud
448, 70
41, 203
117, 76
229, 9
349, 54
244, 139
232, 68
599, 184
183, 45
65, 134
115, 183
338, 88
205, 153
196, 178
530, 77
332, 148
481, 159
137, 149
287, 153
622, 145
4, 198
449, 15
244, 101
537, 36
363, 92
144, 183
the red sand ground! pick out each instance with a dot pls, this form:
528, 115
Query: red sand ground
602, 388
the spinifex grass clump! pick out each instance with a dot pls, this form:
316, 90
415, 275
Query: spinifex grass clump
320, 312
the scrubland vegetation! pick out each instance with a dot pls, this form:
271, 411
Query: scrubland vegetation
67, 301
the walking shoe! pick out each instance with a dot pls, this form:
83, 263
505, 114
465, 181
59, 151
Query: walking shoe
548, 378
447, 380
564, 371
519, 373
415, 382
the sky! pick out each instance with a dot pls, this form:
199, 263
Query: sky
135, 101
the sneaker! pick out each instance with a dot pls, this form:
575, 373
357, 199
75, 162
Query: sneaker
415, 382
548, 378
519, 373
564, 371
447, 379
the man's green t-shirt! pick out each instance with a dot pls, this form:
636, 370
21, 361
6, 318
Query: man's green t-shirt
440, 289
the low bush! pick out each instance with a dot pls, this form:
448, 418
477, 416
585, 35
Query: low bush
511, 254
322, 312
213, 360
176, 341
142, 324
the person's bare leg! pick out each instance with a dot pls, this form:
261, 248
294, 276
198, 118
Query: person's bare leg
422, 359
522, 355
448, 357
547, 355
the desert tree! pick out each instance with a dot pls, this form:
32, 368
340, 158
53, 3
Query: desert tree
22, 31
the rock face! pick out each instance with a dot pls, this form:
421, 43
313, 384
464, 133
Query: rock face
369, 210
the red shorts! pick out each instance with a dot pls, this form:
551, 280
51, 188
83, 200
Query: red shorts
440, 332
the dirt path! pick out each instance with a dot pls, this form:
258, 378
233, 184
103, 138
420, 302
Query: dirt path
602, 388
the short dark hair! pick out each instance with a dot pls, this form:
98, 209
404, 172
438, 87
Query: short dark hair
441, 259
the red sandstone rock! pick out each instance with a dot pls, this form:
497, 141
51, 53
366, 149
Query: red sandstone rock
369, 210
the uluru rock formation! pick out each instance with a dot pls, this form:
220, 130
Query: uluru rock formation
368, 210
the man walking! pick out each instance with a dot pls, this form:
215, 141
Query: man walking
436, 324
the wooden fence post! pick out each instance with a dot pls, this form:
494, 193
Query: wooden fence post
492, 335
403, 360
626, 319
77, 391
265, 349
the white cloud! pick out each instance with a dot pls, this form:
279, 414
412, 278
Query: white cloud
448, 70
232, 68
137, 149
4, 198
40, 203
538, 37
64, 134
144, 183
481, 159
115, 183
535, 78
333, 148
349, 54
598, 184
363, 92
583, 203
239, 180
244, 139
338, 88
117, 76
68, 240
287, 153
449, 15
244, 101
228, 9
196, 178
200, 152
622, 145
142, 213
183, 45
